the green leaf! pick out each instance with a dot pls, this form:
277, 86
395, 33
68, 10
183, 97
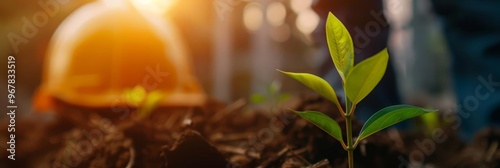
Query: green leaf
389, 116
316, 83
257, 98
135, 95
365, 76
284, 97
151, 102
324, 122
340, 45
431, 121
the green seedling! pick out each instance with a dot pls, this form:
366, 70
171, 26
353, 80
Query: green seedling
358, 81
273, 97
145, 101
430, 122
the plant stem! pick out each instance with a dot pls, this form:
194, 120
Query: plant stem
350, 147
348, 126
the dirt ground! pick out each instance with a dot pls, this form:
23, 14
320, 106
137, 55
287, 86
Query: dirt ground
233, 135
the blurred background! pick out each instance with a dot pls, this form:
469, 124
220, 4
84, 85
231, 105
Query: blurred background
236, 45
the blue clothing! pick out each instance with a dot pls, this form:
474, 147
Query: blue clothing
472, 29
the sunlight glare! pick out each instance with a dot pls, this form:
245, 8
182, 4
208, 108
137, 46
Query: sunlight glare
307, 21
156, 6
253, 16
300, 5
276, 13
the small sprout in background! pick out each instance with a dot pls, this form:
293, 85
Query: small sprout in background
430, 122
272, 98
146, 102
135, 95
257, 98
358, 81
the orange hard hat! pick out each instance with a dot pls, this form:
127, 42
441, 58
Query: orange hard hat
103, 49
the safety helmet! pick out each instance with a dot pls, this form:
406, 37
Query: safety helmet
107, 47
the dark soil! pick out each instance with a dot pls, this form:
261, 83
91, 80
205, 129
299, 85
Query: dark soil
218, 135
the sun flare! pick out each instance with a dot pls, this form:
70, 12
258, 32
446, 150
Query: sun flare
157, 6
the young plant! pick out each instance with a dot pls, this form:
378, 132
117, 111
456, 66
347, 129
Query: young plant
272, 97
145, 101
358, 81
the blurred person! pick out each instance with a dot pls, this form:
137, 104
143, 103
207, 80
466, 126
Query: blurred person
472, 30
369, 30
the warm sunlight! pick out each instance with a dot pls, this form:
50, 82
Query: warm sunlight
300, 5
156, 6
276, 13
307, 21
253, 16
